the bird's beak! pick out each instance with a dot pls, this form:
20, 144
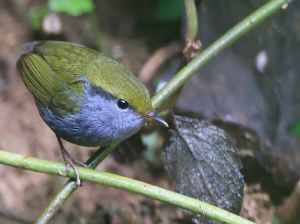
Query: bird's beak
153, 116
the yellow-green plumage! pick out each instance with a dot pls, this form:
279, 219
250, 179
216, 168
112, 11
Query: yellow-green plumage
77, 91
84, 96
40, 85
57, 67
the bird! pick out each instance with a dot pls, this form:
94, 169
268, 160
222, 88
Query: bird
84, 96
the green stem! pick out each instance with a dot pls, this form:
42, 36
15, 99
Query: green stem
192, 19
180, 79
71, 185
138, 187
227, 39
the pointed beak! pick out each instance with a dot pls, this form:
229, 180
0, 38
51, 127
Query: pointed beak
153, 116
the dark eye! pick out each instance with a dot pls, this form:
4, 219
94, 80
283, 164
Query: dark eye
122, 104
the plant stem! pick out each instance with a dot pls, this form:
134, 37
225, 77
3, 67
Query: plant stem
116, 181
192, 19
184, 74
71, 185
227, 39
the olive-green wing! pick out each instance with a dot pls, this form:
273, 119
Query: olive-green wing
72, 62
38, 77
60, 90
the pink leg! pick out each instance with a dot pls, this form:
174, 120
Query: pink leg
69, 161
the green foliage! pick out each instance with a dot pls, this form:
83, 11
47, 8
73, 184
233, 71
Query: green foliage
295, 128
276, 221
73, 7
169, 10
36, 16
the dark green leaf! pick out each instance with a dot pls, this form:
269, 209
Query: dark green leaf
204, 164
73, 7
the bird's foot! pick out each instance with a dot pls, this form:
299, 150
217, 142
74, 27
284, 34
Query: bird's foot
80, 163
69, 161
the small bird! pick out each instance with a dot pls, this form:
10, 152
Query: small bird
84, 96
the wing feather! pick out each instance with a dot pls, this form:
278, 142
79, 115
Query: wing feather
57, 90
38, 77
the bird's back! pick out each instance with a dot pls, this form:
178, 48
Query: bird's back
71, 62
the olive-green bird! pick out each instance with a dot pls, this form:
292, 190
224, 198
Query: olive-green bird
85, 97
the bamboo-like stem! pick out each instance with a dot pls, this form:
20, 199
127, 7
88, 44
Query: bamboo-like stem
183, 75
192, 19
71, 185
227, 39
116, 181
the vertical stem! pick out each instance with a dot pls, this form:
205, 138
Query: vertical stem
192, 19
226, 40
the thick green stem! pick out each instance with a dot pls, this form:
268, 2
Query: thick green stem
227, 39
160, 194
71, 185
173, 86
192, 19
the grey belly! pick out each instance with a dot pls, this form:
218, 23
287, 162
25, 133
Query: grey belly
79, 129
86, 129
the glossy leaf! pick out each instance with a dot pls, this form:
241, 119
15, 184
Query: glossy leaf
205, 164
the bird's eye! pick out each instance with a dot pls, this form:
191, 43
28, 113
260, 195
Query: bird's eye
122, 104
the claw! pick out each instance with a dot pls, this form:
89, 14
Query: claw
66, 172
69, 161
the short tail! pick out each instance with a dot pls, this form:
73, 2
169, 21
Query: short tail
29, 47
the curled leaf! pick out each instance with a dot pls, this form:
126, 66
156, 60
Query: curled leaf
205, 164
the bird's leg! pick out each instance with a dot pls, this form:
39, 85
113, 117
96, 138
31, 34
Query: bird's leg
69, 161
